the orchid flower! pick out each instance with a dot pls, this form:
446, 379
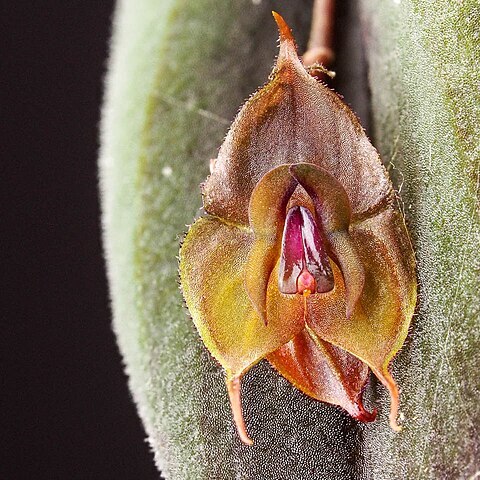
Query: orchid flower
302, 258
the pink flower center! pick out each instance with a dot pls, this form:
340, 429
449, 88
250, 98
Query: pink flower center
304, 264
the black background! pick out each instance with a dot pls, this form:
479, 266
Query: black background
66, 410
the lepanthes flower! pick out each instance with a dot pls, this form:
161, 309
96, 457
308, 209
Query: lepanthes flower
302, 258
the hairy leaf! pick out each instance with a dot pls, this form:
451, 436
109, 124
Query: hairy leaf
177, 75
424, 63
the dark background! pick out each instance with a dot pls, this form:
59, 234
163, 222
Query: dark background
66, 409
66, 412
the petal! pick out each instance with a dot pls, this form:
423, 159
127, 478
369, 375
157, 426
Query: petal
329, 197
292, 256
212, 267
345, 253
379, 324
324, 372
293, 119
267, 218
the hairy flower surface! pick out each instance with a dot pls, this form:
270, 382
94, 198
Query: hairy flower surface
302, 257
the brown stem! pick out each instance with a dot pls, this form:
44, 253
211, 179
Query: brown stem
321, 34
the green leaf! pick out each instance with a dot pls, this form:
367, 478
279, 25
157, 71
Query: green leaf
424, 59
178, 72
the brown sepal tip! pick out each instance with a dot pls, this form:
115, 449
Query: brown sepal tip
283, 28
233, 387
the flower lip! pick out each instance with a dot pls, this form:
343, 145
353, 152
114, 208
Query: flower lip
306, 283
304, 264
